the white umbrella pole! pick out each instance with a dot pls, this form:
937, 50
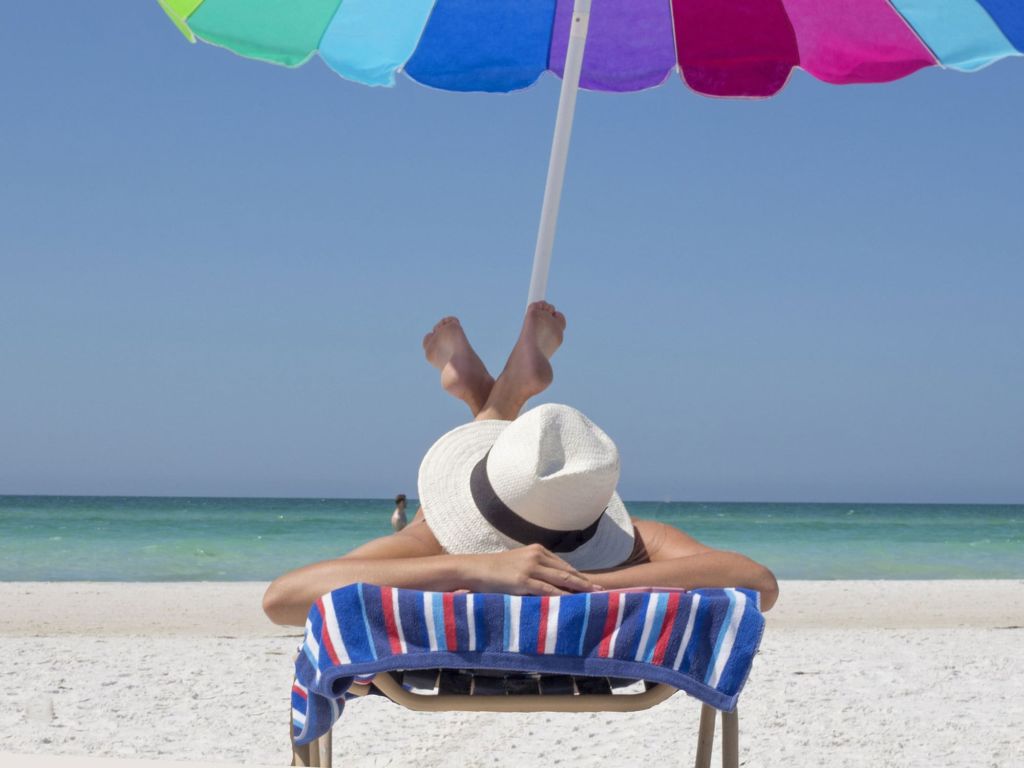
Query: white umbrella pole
559, 151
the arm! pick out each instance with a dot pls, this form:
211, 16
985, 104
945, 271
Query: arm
413, 559
404, 559
679, 560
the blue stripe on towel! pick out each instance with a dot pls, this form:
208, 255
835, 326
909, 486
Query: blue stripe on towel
367, 633
437, 604
316, 622
373, 601
722, 631
595, 625
506, 621
698, 650
586, 622
353, 633
483, 607
570, 621
678, 628
659, 617
461, 623
529, 625
748, 637
414, 625
633, 613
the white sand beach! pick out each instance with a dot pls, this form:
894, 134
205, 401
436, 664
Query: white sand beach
852, 673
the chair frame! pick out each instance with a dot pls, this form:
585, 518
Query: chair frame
319, 752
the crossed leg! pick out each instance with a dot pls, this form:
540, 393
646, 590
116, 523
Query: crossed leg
527, 373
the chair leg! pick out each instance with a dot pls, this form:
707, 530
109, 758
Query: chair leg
314, 753
705, 736
300, 753
326, 756
730, 739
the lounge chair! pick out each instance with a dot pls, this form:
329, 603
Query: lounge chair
622, 651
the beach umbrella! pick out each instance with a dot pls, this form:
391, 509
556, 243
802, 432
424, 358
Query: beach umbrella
721, 48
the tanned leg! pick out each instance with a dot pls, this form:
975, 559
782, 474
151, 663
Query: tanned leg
528, 370
463, 374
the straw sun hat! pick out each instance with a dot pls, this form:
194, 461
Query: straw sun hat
548, 477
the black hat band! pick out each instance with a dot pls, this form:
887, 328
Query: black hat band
504, 520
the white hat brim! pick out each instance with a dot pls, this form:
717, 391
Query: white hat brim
460, 528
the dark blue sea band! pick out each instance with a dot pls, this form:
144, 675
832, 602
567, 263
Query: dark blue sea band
515, 527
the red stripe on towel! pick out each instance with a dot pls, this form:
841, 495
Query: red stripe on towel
325, 636
388, 608
302, 693
666, 628
542, 630
609, 624
451, 640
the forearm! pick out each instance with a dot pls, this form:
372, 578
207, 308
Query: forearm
707, 569
289, 597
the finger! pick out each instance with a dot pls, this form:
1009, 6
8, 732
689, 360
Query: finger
564, 579
552, 560
538, 587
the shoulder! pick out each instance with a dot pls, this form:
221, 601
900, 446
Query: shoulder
419, 532
665, 542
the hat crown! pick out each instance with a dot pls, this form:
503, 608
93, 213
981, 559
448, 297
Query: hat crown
554, 467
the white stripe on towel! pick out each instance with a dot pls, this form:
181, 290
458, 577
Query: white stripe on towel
551, 634
398, 620
618, 624
725, 649
428, 613
515, 603
311, 642
652, 608
687, 632
471, 621
331, 620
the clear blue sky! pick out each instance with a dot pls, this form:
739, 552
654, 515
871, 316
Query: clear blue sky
215, 274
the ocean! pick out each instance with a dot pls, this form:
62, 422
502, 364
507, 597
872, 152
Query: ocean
73, 538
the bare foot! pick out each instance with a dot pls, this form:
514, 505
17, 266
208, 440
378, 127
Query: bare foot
528, 370
463, 374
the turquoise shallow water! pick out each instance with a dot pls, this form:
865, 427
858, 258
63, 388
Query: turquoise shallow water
197, 539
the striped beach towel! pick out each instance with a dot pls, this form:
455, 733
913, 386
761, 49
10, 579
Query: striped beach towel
702, 642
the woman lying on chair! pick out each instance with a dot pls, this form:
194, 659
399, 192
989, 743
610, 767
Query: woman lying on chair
519, 504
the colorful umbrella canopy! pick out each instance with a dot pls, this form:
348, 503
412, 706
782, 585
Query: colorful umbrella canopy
726, 48
730, 48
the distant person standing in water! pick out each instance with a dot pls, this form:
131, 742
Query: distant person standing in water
398, 520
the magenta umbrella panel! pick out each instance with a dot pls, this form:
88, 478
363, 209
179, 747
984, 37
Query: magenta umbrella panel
727, 48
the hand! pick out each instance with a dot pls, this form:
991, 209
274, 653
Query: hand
529, 570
